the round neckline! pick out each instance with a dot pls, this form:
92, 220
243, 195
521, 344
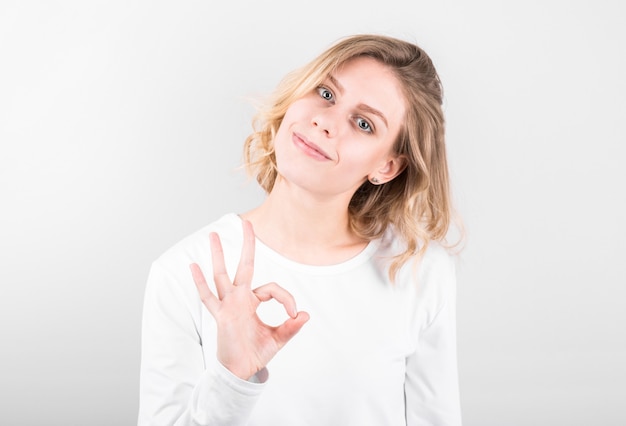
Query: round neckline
346, 265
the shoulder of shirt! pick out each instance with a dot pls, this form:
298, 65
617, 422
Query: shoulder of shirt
195, 247
431, 278
436, 255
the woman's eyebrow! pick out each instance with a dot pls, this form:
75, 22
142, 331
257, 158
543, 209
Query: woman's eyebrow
363, 107
335, 83
374, 111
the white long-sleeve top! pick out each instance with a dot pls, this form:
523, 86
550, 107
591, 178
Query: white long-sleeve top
372, 353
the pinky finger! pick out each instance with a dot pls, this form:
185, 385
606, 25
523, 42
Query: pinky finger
206, 296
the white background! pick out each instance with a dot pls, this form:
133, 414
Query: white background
121, 126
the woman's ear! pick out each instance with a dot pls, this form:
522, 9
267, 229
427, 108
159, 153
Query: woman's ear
392, 168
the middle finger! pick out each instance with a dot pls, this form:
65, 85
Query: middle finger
220, 275
245, 269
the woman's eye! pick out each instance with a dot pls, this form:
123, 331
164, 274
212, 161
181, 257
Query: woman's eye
325, 93
364, 125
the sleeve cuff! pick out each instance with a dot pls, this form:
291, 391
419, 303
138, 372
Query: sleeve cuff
251, 387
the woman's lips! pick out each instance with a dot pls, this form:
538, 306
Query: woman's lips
309, 147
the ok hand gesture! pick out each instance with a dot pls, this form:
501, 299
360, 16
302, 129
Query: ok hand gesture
245, 344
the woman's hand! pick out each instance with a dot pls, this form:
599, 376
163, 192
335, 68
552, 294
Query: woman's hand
245, 344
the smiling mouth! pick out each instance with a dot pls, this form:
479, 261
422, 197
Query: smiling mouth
309, 148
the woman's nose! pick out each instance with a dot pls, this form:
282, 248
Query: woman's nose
326, 121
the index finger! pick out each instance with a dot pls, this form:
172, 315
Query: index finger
245, 269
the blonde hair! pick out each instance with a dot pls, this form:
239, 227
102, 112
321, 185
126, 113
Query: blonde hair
417, 202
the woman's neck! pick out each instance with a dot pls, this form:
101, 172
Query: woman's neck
305, 227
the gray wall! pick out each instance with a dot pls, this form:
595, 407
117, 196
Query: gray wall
121, 125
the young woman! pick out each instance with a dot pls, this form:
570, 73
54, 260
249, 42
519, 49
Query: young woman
351, 153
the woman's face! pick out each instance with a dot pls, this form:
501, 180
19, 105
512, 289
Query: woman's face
340, 134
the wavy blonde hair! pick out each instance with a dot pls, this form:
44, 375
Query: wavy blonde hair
417, 202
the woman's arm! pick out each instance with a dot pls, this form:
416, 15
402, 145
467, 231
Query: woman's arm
175, 386
431, 385
178, 386
245, 344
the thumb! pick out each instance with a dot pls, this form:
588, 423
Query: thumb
284, 332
